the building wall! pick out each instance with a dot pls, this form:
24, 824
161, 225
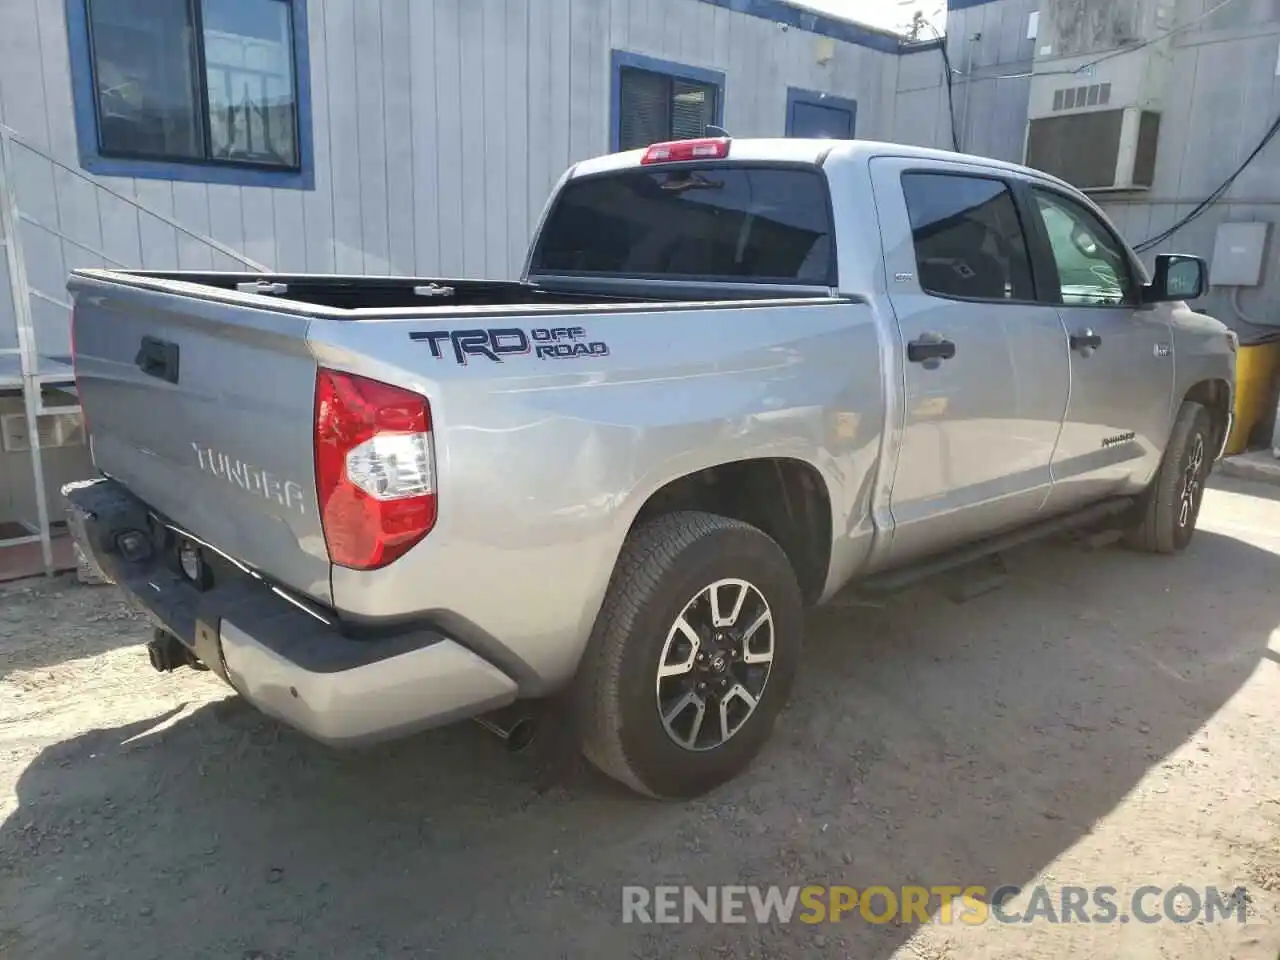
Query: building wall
1223, 94
987, 43
8, 328
17, 488
439, 128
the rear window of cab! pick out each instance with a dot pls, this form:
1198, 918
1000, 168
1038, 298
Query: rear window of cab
739, 223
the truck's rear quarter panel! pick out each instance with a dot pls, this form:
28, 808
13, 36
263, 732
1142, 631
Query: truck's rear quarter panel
226, 451
544, 463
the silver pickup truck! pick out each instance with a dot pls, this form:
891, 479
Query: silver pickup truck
736, 376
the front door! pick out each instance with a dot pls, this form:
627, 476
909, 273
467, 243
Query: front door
1122, 373
986, 375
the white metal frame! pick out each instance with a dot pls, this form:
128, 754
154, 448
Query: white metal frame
31, 380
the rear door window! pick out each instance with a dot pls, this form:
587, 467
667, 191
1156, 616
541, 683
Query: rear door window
968, 237
694, 222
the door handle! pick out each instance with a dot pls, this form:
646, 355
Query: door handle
158, 358
1086, 340
930, 349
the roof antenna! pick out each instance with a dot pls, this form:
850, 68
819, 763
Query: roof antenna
714, 131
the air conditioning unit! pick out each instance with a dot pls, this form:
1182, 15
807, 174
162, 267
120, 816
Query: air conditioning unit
55, 429
1098, 84
1098, 150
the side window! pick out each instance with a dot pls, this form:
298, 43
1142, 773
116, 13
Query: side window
1093, 269
968, 239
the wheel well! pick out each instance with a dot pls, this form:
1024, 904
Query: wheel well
1215, 395
785, 498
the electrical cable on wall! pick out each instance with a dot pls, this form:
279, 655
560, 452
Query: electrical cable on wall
948, 74
1214, 197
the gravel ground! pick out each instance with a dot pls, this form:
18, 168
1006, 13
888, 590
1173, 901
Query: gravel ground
1104, 718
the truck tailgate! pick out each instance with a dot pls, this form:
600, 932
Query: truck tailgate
205, 411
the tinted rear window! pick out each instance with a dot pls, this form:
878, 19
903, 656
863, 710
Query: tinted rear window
742, 224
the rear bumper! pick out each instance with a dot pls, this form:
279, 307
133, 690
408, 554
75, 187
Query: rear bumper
290, 663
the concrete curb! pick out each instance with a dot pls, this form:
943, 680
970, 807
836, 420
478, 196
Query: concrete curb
1259, 466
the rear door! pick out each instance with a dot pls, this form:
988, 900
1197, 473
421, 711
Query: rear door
1122, 372
986, 377
204, 411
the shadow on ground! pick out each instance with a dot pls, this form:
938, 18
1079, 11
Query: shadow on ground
928, 742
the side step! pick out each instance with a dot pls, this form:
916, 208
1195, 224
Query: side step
893, 580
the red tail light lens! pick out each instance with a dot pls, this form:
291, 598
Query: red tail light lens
708, 148
375, 469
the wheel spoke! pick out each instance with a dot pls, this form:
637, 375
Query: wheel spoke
736, 692
681, 705
758, 656
681, 626
717, 617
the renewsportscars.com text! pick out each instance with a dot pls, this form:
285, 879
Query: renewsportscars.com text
971, 905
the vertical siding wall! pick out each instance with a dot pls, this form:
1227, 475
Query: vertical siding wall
990, 99
440, 126
1223, 94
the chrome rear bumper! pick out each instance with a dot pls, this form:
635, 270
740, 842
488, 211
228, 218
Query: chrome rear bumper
287, 660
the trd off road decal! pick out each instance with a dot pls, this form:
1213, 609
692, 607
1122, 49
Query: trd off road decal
545, 343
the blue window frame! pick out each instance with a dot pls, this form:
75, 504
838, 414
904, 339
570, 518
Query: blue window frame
811, 113
656, 100
212, 91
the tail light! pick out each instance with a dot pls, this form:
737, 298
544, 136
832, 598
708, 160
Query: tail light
375, 469
708, 148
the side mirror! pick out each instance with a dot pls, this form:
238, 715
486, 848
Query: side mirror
1177, 277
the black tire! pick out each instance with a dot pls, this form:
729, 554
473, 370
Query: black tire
665, 562
1164, 526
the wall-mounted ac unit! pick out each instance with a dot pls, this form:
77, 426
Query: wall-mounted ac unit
56, 430
1098, 150
1098, 85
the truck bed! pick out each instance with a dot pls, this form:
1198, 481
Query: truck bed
370, 293
202, 398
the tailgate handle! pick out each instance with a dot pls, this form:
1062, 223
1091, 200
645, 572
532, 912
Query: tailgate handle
158, 358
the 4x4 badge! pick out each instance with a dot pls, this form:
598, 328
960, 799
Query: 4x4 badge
1162, 350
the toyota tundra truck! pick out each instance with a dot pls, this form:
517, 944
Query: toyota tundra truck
734, 377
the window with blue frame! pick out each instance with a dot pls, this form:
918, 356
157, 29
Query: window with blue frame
191, 89
655, 100
811, 113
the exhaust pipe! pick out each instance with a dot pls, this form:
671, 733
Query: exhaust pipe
517, 727
166, 652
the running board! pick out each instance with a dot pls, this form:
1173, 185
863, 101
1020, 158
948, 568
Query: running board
894, 580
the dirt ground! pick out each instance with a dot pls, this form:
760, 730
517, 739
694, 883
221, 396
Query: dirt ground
1104, 718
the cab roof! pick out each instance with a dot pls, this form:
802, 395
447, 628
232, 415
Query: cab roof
800, 150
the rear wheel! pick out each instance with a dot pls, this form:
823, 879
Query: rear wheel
1171, 505
692, 657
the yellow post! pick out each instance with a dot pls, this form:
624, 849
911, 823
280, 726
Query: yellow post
1255, 372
